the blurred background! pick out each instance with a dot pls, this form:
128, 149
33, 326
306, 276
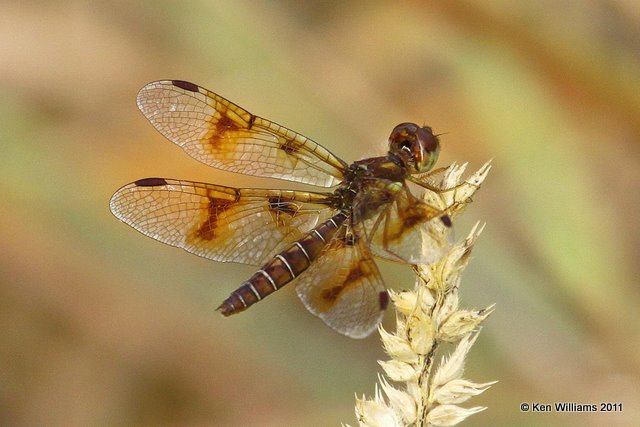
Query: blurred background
102, 326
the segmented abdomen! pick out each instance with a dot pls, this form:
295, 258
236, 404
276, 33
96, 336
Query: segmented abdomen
283, 268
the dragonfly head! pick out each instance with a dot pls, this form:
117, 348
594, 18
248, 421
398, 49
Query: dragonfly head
416, 146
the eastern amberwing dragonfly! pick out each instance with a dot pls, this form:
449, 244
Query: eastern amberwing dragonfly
325, 241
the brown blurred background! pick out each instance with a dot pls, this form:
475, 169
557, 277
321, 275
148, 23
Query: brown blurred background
102, 326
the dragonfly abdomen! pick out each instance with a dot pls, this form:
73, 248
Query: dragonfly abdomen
282, 268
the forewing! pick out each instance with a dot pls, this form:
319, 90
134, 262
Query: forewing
221, 223
344, 288
398, 226
221, 134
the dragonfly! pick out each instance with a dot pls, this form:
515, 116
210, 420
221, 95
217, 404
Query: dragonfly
324, 242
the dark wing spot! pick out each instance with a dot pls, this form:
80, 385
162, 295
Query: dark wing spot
383, 298
330, 295
446, 220
282, 205
412, 220
185, 85
207, 229
413, 215
354, 275
223, 125
150, 182
289, 147
226, 124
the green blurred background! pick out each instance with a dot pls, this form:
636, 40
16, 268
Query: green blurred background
101, 326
